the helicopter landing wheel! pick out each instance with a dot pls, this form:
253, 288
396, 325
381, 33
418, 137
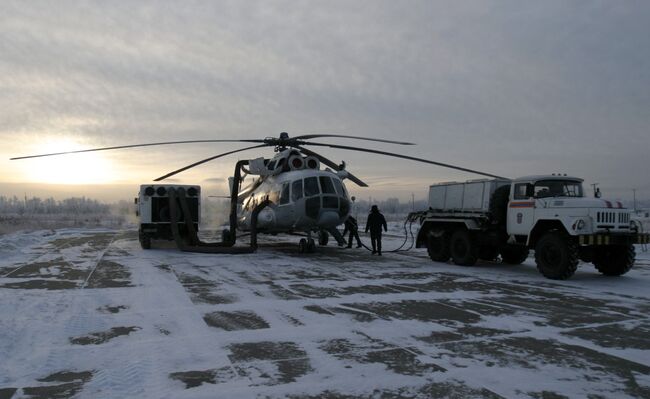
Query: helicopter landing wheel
306, 245
323, 238
311, 245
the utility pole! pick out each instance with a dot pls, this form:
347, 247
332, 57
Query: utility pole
412, 202
634, 198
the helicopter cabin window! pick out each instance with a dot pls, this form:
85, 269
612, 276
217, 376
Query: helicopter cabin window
311, 186
339, 187
284, 196
326, 185
271, 165
296, 190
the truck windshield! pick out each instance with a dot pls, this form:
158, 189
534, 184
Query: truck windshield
558, 188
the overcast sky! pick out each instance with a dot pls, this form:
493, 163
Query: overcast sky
509, 87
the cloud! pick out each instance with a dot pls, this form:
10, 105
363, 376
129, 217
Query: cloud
507, 87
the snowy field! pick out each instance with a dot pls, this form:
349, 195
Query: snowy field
87, 313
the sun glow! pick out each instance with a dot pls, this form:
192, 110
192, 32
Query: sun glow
83, 168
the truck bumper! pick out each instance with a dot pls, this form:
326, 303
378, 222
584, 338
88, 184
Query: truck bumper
613, 239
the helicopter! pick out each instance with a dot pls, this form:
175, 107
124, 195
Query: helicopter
290, 193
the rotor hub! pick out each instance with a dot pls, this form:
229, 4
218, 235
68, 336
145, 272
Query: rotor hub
281, 143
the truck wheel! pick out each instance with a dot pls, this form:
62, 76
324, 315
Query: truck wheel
438, 248
463, 248
145, 240
514, 255
556, 256
614, 260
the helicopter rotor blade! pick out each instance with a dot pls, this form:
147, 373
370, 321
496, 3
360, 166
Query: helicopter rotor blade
314, 136
136, 145
391, 154
332, 165
206, 160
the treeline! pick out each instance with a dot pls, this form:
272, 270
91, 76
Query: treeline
50, 206
389, 205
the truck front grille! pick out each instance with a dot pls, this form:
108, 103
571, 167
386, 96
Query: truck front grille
612, 220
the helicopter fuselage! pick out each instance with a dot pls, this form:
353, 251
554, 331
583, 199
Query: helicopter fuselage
299, 201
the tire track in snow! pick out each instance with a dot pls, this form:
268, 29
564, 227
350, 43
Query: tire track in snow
99, 259
84, 319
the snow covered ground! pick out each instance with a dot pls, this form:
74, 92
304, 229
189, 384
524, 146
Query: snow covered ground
87, 313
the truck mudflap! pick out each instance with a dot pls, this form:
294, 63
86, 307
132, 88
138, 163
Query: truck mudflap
613, 239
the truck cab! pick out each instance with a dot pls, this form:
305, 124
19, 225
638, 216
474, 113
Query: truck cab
537, 202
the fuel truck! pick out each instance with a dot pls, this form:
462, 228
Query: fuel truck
549, 214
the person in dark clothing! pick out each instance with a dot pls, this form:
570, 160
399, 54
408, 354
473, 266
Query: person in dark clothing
337, 236
375, 223
353, 228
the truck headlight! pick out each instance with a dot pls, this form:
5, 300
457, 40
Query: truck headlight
579, 225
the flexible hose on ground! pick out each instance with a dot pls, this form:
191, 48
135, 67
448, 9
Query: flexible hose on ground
410, 219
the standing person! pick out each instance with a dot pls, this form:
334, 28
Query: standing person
375, 223
353, 228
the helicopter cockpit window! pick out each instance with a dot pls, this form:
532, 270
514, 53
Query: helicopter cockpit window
326, 185
284, 196
339, 187
311, 186
296, 190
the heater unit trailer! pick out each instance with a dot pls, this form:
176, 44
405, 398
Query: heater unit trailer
153, 208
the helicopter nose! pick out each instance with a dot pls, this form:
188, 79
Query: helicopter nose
328, 219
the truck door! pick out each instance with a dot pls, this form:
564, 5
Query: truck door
521, 210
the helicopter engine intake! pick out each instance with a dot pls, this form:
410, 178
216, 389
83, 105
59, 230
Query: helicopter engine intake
312, 162
296, 162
